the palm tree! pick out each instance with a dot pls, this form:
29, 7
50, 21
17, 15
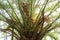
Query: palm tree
24, 22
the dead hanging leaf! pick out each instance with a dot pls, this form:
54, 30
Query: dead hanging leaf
47, 19
25, 7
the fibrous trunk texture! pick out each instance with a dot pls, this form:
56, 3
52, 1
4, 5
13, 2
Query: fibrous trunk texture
29, 38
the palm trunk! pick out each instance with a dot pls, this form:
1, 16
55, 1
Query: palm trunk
29, 39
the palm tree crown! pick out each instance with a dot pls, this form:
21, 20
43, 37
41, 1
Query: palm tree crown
28, 19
